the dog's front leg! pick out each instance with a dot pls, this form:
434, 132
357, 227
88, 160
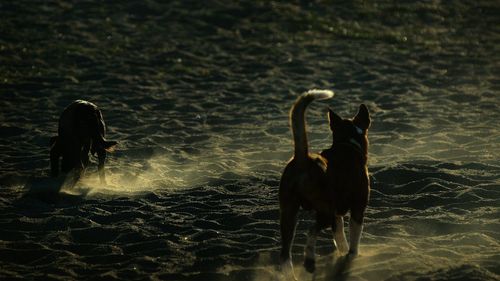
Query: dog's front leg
339, 235
355, 229
288, 220
72, 177
310, 250
84, 159
101, 155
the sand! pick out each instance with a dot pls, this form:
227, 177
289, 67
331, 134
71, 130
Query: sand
197, 95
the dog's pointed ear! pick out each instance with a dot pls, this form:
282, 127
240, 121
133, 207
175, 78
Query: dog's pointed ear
362, 118
333, 118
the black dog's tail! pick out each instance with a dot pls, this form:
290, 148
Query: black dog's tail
298, 124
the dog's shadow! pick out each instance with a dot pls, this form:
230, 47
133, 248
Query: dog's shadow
337, 268
54, 190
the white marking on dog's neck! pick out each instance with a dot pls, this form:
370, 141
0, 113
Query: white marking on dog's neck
358, 130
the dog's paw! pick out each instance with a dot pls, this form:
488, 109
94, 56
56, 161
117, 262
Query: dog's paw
341, 247
352, 253
287, 271
310, 265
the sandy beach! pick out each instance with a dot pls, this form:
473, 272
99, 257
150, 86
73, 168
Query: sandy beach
197, 94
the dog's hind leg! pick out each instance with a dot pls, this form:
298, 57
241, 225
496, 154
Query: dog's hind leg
310, 250
288, 221
355, 229
339, 235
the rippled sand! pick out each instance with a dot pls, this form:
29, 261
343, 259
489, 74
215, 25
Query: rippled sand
197, 94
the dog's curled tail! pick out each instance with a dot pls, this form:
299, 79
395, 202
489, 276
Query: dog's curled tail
297, 120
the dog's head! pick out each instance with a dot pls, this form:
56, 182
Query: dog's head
351, 131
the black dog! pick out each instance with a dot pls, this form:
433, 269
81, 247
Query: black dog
81, 130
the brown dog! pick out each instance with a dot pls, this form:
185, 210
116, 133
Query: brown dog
331, 184
81, 130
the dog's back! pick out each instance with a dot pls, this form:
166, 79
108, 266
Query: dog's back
80, 121
304, 176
